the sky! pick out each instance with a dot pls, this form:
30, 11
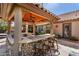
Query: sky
60, 8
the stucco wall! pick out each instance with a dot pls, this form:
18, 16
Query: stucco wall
58, 28
75, 29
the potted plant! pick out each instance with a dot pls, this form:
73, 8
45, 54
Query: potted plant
3, 26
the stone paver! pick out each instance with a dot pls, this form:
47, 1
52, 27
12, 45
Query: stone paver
66, 51
68, 43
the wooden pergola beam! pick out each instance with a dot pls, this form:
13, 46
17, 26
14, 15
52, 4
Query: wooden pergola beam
5, 10
38, 11
8, 10
0, 9
29, 7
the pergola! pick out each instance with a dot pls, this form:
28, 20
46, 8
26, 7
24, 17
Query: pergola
27, 12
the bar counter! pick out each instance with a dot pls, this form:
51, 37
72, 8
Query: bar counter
38, 45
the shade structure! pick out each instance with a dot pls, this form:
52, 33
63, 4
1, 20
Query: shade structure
27, 12
30, 17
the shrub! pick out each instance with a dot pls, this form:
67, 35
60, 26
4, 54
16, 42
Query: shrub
3, 26
73, 38
58, 36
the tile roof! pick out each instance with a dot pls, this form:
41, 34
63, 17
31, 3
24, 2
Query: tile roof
69, 16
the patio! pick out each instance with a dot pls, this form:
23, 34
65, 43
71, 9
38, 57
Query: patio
30, 44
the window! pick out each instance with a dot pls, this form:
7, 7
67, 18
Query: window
23, 28
39, 29
30, 28
47, 28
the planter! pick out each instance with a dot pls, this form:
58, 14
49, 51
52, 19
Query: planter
2, 31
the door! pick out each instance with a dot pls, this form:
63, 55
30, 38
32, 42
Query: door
66, 30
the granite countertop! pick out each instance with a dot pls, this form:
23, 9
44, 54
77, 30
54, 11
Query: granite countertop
35, 38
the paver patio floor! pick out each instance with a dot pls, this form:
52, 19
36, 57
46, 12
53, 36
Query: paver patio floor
68, 43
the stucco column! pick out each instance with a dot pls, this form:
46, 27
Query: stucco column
51, 27
17, 30
26, 28
33, 28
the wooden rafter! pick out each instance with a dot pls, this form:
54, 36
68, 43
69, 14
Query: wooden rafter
5, 10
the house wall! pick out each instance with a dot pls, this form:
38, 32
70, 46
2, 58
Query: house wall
58, 28
74, 28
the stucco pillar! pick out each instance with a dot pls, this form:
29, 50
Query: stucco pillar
44, 27
17, 30
26, 28
33, 28
51, 27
